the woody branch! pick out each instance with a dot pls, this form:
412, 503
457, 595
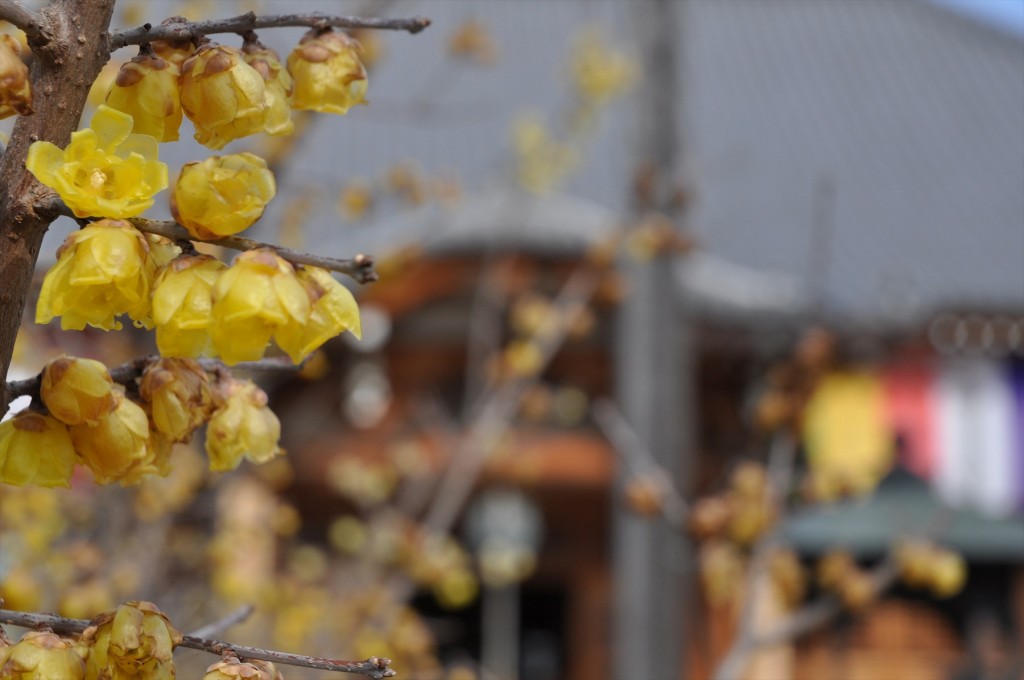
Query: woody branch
374, 667
250, 22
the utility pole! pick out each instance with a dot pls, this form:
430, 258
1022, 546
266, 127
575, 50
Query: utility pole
655, 376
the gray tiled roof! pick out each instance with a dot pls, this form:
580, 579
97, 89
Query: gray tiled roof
913, 113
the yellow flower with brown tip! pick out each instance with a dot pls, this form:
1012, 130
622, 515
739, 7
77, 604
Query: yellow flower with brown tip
242, 427
15, 87
105, 171
222, 195
119, 448
77, 390
258, 294
136, 640
103, 270
328, 74
146, 88
279, 87
179, 396
183, 305
222, 95
231, 668
333, 311
35, 449
42, 655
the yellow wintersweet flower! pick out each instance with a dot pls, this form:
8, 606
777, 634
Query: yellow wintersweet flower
136, 640
119, 448
222, 95
279, 87
243, 426
599, 72
146, 88
257, 295
105, 171
328, 74
103, 270
222, 195
333, 311
231, 668
179, 396
183, 305
42, 655
15, 88
35, 449
77, 390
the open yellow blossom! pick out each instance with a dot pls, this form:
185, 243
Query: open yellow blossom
35, 449
146, 88
257, 295
119, 448
599, 71
333, 311
103, 270
77, 390
222, 95
222, 195
15, 88
183, 305
135, 641
328, 74
279, 87
105, 171
242, 427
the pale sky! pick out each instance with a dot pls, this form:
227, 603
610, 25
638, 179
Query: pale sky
1008, 14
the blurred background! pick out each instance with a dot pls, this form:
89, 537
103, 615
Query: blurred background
678, 302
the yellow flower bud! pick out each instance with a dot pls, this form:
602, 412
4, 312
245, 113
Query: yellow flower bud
231, 668
178, 392
222, 95
333, 311
243, 426
42, 655
15, 89
183, 305
146, 88
35, 449
103, 270
279, 87
105, 171
118, 448
137, 641
222, 195
328, 74
77, 390
258, 294
174, 51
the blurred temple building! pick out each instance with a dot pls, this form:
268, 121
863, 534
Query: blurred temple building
854, 165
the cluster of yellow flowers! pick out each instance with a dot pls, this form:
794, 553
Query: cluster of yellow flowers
230, 92
135, 640
197, 304
92, 421
15, 90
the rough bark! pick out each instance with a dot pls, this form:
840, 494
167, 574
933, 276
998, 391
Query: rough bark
70, 49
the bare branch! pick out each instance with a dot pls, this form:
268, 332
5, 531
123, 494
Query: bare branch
374, 667
220, 625
639, 459
250, 22
359, 267
18, 15
129, 371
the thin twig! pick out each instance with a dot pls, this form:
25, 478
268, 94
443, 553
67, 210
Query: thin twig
250, 22
639, 459
359, 267
18, 15
220, 625
374, 667
129, 371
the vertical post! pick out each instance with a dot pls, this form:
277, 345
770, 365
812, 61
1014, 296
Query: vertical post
654, 378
